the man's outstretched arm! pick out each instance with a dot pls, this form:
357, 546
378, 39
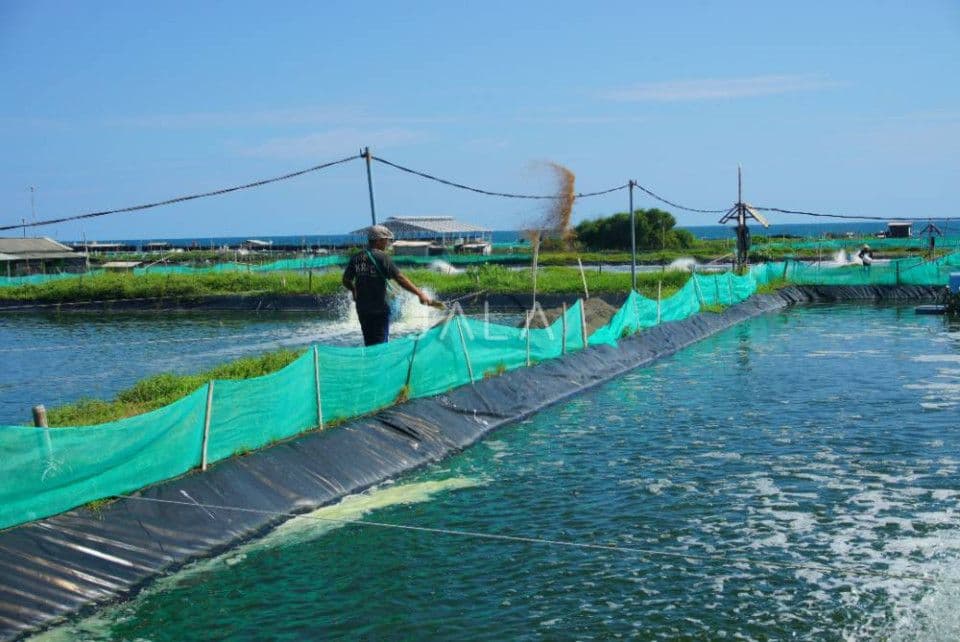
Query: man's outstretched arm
408, 285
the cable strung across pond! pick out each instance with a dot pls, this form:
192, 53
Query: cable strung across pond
677, 205
181, 199
854, 216
861, 571
492, 193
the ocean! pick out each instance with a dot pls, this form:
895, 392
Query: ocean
514, 236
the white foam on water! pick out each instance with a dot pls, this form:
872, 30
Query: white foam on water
683, 263
936, 358
846, 353
937, 405
658, 485
297, 530
444, 268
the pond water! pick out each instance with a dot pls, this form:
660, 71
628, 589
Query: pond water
797, 476
55, 359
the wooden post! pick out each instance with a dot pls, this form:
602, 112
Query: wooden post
413, 355
40, 416
536, 260
526, 329
563, 326
786, 264
316, 381
310, 281
696, 286
466, 353
633, 241
583, 324
206, 426
583, 277
659, 296
897, 264
733, 297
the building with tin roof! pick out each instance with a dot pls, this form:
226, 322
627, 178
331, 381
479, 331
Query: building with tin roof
41, 255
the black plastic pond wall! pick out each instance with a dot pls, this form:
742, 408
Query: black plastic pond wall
75, 561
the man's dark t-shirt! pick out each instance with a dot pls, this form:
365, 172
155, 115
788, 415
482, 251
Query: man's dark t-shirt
371, 287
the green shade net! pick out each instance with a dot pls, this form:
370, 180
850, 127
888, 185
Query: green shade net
252, 413
358, 381
40, 279
45, 472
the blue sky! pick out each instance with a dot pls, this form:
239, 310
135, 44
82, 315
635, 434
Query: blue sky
829, 106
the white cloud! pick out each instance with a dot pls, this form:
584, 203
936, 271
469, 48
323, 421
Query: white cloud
332, 142
720, 88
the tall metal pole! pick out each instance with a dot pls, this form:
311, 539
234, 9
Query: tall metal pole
741, 222
633, 240
373, 209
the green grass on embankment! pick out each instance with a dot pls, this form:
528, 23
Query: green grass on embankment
492, 279
162, 389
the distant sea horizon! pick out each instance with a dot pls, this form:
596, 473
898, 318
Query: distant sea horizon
706, 232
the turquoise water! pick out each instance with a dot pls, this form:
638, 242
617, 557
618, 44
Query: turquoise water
797, 476
56, 359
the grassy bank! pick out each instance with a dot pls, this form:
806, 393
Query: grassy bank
492, 279
162, 389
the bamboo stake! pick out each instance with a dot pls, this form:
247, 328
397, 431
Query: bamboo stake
316, 381
563, 326
583, 277
413, 355
659, 296
696, 286
583, 324
526, 329
466, 353
206, 426
536, 260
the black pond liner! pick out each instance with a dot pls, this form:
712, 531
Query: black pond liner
74, 562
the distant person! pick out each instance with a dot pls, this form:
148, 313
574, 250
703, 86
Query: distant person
865, 255
366, 277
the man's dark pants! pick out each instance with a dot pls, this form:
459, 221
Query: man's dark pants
375, 328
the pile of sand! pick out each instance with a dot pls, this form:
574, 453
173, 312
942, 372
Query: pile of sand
597, 312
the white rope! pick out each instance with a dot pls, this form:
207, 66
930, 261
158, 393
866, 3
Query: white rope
857, 571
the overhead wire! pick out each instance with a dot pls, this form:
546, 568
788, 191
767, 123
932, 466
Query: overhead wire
853, 216
451, 183
478, 190
677, 205
181, 199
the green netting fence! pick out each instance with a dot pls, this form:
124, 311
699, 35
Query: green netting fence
47, 471
282, 265
913, 242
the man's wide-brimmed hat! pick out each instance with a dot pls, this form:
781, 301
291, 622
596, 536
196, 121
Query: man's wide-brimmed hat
376, 232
